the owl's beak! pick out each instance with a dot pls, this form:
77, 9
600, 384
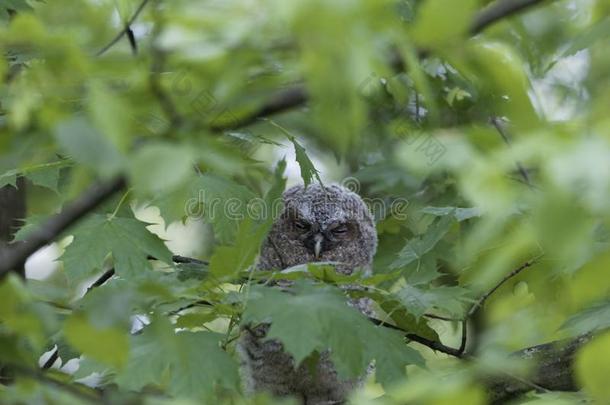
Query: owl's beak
317, 247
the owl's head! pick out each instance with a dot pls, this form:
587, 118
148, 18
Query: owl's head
318, 223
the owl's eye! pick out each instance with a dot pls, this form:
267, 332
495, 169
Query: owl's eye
301, 225
340, 230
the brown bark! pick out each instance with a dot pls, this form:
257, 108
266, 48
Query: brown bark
12, 212
552, 370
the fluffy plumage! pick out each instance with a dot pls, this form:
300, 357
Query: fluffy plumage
330, 224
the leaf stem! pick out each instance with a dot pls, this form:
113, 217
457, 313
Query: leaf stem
118, 207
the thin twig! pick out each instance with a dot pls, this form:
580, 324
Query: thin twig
499, 125
463, 339
122, 33
204, 303
438, 346
498, 11
510, 275
477, 305
434, 345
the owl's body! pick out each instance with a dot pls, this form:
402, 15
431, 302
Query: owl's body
329, 224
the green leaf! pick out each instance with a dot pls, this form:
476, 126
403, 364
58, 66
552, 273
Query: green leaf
408, 321
391, 355
186, 364
416, 248
224, 204
331, 324
87, 146
588, 37
195, 319
9, 177
456, 94
460, 214
396, 311
447, 298
65, 350
499, 71
424, 271
592, 367
31, 321
230, 260
107, 345
47, 177
16, 5
440, 22
109, 305
274, 194
44, 175
160, 167
88, 366
127, 239
595, 317
308, 170
30, 225
190, 271
110, 113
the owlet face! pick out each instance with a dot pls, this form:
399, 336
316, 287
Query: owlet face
321, 225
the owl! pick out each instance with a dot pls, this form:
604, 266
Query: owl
318, 224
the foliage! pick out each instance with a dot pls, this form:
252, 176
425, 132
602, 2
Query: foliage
495, 135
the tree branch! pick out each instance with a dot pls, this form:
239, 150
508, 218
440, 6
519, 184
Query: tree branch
132, 40
107, 275
79, 390
498, 11
51, 360
438, 346
125, 30
432, 344
91, 199
553, 370
297, 96
12, 213
286, 99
